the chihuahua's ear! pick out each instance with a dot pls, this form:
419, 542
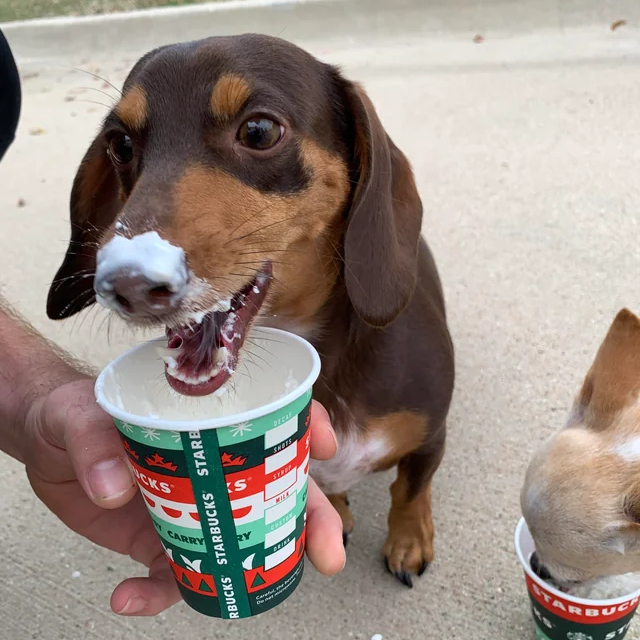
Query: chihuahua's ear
632, 508
613, 381
626, 531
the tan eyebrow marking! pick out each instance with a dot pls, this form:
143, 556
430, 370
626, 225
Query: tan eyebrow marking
229, 95
132, 109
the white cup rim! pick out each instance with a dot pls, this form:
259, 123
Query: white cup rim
211, 423
523, 529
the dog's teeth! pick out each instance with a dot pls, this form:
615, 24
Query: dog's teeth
169, 356
174, 372
221, 355
222, 305
196, 316
262, 279
256, 290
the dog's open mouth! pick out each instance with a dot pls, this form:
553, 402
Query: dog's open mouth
203, 355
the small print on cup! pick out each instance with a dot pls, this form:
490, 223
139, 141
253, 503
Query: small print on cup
558, 616
227, 494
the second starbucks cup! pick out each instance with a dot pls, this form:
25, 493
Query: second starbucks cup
224, 477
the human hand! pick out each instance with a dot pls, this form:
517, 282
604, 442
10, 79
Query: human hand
76, 465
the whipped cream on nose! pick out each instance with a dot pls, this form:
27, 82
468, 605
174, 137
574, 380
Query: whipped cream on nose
147, 255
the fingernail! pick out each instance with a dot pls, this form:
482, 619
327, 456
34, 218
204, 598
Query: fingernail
109, 479
134, 605
344, 562
335, 437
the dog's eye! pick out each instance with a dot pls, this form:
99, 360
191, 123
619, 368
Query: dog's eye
260, 133
121, 148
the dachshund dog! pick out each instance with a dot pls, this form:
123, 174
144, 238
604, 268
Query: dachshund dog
240, 181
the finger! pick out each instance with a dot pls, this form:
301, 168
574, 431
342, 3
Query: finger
323, 438
324, 533
71, 419
147, 596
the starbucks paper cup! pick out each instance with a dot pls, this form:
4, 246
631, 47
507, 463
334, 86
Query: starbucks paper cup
224, 477
558, 616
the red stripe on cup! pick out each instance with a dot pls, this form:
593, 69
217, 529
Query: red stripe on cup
304, 446
280, 571
582, 613
241, 512
170, 488
246, 483
194, 581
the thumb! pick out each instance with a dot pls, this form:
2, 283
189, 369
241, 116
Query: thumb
70, 419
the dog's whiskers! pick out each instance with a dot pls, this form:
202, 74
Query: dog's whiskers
102, 104
87, 292
95, 75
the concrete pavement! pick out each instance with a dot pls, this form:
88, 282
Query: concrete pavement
526, 150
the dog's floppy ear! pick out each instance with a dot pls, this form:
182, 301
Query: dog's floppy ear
383, 224
613, 381
95, 203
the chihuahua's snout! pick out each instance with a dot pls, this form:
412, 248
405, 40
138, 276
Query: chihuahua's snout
142, 276
539, 569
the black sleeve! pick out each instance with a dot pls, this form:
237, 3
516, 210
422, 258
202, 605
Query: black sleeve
10, 96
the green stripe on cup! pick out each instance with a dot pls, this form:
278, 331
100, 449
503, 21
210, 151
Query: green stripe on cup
189, 559
206, 605
168, 462
192, 539
247, 534
150, 437
253, 557
258, 427
211, 494
554, 627
540, 635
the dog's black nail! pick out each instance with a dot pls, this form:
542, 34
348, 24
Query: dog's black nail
423, 568
386, 564
405, 578
345, 538
346, 501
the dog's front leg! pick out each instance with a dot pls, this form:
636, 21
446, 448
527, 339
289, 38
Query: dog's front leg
340, 503
409, 547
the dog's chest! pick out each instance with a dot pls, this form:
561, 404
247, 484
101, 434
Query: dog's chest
357, 456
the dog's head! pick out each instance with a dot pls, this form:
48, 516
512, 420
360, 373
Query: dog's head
581, 497
238, 178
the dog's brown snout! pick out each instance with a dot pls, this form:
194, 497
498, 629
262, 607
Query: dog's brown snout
138, 295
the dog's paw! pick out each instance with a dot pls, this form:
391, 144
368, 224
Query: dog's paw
409, 547
408, 553
340, 503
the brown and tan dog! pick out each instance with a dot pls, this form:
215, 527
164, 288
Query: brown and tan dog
240, 180
581, 497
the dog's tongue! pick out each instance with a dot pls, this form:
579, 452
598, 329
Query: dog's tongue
201, 358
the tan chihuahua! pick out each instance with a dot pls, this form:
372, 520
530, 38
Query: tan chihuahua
581, 497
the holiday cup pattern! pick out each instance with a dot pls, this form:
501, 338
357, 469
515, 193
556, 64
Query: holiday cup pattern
559, 619
229, 505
